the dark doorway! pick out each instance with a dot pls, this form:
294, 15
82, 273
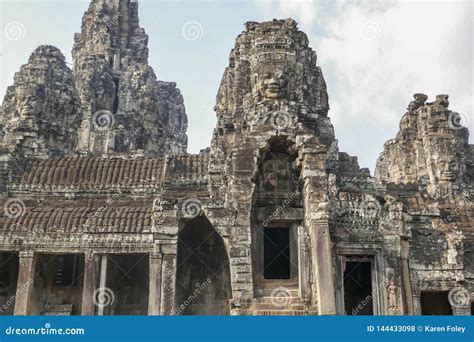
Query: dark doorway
358, 297
276, 255
127, 282
203, 274
435, 303
9, 264
57, 286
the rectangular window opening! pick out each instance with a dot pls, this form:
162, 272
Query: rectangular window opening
358, 295
276, 247
435, 303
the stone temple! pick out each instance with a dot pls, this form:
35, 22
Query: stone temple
105, 213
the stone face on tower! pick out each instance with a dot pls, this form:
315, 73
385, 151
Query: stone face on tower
431, 149
273, 80
41, 111
125, 108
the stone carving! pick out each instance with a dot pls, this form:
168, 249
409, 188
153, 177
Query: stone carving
112, 74
41, 111
428, 149
273, 162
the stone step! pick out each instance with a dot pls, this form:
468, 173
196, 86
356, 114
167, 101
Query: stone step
266, 302
269, 292
280, 313
57, 310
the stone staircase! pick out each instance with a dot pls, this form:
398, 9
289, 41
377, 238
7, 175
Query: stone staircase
279, 301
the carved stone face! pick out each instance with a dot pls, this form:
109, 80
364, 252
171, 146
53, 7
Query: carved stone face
449, 170
274, 85
27, 104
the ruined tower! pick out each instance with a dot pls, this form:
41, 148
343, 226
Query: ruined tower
126, 109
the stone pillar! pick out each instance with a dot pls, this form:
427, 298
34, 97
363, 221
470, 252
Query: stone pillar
89, 284
323, 269
154, 290
416, 303
317, 222
303, 265
26, 278
168, 283
407, 295
102, 283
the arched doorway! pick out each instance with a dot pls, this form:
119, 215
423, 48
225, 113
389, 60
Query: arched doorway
203, 276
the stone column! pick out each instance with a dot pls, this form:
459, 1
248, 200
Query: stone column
317, 222
89, 284
303, 265
168, 283
26, 278
154, 290
416, 302
102, 283
407, 295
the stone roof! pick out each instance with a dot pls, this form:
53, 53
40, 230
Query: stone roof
106, 173
93, 216
92, 172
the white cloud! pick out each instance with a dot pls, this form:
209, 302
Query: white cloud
375, 55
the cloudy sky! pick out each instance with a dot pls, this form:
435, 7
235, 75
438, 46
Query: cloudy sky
374, 55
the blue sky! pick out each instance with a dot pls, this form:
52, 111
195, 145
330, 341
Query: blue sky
374, 55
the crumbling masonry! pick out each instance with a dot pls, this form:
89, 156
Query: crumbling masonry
105, 213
